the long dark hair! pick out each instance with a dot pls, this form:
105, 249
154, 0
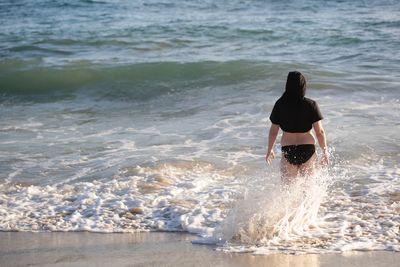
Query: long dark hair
295, 87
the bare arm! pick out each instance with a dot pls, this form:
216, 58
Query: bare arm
273, 133
320, 133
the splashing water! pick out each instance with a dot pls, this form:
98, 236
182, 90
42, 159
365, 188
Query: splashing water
275, 215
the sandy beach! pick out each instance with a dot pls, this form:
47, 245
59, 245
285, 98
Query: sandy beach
155, 249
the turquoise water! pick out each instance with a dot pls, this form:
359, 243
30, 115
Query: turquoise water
57, 45
163, 106
334, 33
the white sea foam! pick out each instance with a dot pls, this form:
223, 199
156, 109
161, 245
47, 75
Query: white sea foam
180, 196
317, 214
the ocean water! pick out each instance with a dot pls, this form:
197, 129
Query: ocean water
125, 116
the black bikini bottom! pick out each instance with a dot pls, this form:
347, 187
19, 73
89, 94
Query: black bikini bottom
298, 154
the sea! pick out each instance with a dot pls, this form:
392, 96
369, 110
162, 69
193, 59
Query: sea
153, 115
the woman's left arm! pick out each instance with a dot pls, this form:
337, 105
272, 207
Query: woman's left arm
273, 133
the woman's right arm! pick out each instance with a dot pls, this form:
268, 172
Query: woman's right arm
320, 133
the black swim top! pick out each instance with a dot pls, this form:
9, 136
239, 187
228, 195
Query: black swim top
295, 117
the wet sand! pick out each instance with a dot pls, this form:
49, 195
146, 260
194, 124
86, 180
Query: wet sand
156, 249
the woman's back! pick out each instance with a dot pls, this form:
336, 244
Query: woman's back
295, 116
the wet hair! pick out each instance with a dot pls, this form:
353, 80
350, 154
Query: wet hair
295, 87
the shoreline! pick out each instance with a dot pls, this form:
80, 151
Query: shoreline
156, 249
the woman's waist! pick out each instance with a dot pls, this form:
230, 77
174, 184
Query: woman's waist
297, 139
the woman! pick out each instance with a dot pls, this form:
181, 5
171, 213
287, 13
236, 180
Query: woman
296, 115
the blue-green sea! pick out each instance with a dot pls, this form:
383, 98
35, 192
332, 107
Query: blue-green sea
126, 116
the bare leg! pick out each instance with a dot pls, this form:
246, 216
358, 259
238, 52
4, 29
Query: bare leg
308, 168
288, 171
